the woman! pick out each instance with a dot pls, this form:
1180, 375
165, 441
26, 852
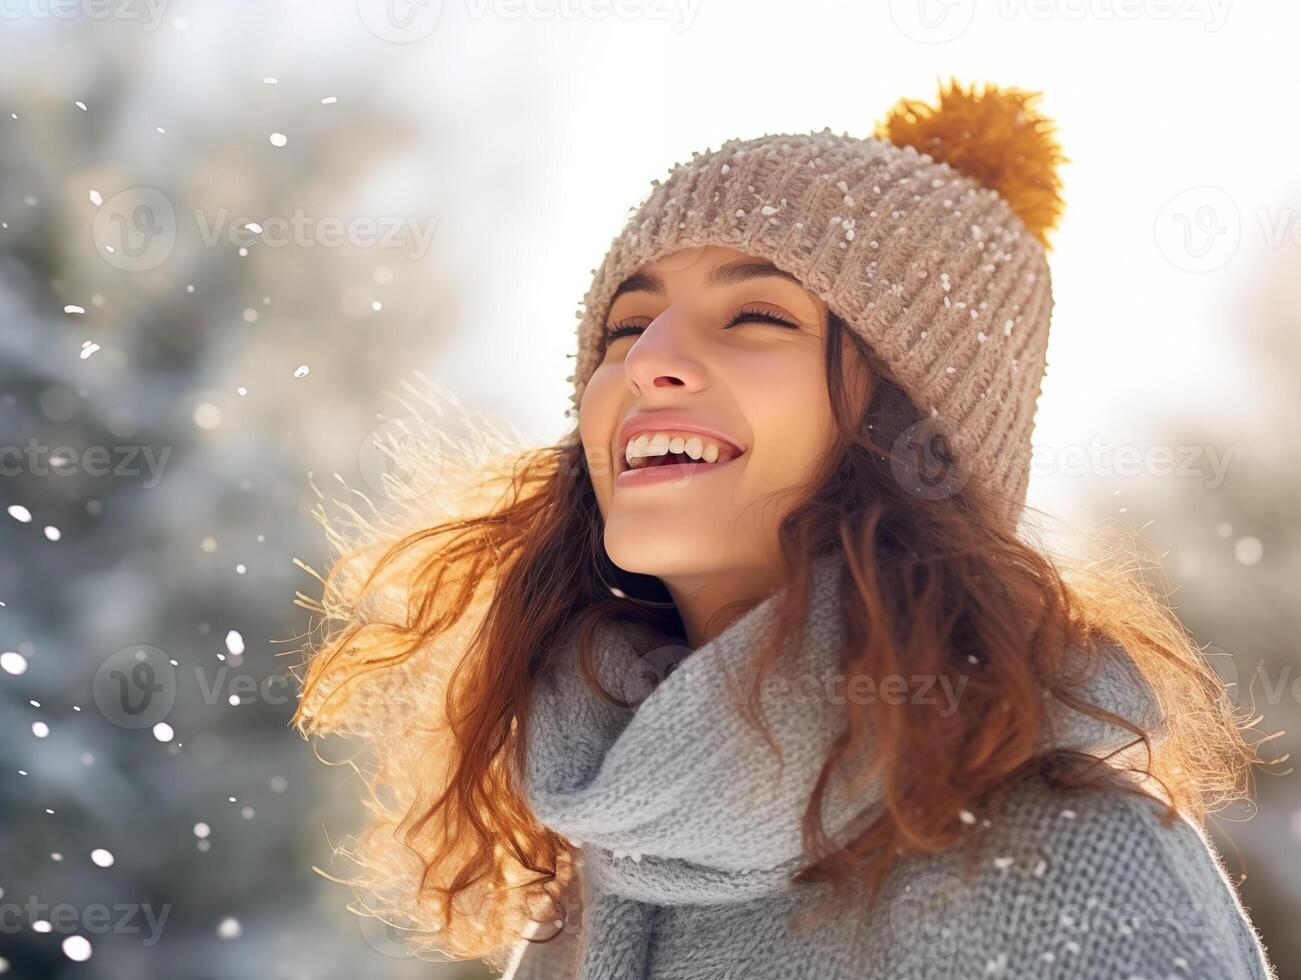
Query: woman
753, 675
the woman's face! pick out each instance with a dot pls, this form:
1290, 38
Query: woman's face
712, 348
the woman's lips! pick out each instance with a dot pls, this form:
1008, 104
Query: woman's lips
669, 471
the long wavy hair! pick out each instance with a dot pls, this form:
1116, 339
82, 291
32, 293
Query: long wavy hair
430, 637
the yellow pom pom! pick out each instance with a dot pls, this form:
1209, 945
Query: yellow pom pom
995, 137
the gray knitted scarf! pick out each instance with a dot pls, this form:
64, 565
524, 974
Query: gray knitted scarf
676, 800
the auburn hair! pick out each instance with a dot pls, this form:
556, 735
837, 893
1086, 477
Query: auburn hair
439, 613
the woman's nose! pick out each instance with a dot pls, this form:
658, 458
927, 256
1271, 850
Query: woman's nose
663, 354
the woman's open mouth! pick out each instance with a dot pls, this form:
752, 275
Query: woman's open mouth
664, 447
670, 466
665, 455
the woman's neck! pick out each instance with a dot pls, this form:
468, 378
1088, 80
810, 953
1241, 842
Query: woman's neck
705, 597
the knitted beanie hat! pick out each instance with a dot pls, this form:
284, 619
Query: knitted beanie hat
928, 239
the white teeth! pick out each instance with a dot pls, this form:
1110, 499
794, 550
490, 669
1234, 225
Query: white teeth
649, 444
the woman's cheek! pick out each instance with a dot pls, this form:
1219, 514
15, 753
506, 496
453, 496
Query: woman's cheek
784, 402
598, 416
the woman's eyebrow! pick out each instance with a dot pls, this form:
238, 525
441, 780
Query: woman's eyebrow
727, 274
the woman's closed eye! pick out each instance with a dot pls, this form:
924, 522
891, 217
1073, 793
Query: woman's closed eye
742, 315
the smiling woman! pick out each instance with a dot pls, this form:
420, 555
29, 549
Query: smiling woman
638, 720
713, 342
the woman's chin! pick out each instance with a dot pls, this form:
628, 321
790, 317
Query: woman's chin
647, 548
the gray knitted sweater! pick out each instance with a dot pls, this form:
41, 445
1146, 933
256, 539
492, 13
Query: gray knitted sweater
687, 839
